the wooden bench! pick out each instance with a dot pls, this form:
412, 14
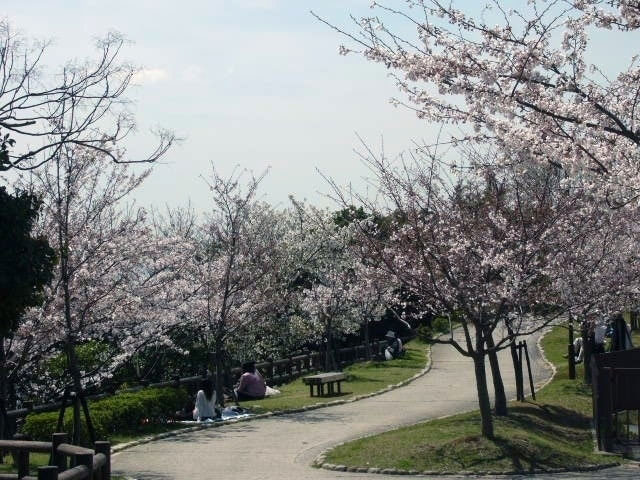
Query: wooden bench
322, 379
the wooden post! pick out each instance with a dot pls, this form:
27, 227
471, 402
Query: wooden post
105, 449
50, 472
87, 417
307, 362
519, 376
571, 353
23, 463
77, 426
526, 353
58, 459
571, 356
271, 370
86, 459
587, 345
63, 407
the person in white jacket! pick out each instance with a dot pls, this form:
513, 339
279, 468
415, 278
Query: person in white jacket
205, 408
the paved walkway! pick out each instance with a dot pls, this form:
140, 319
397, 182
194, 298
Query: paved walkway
283, 447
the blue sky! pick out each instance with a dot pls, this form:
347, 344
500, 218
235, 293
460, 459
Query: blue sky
249, 83
254, 83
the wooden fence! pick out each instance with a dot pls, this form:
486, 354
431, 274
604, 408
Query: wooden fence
68, 462
616, 398
275, 372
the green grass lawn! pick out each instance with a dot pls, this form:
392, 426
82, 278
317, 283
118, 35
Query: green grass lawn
553, 432
362, 378
35, 460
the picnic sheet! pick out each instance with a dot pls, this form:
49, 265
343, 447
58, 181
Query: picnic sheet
228, 413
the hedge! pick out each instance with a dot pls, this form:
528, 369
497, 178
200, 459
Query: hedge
121, 413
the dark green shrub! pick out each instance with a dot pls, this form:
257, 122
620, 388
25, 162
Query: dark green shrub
439, 325
121, 413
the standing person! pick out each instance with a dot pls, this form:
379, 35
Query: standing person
394, 346
205, 408
251, 385
620, 334
599, 333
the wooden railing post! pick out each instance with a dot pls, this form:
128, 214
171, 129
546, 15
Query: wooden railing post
105, 449
57, 458
271, 369
86, 459
23, 463
50, 472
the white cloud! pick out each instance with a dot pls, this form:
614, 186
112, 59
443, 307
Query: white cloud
147, 76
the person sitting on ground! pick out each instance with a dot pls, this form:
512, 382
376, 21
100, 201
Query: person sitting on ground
251, 385
577, 350
394, 346
205, 408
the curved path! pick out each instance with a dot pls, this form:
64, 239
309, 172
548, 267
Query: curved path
283, 447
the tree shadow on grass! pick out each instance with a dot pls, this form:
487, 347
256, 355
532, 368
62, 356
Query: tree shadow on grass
522, 443
511, 454
552, 418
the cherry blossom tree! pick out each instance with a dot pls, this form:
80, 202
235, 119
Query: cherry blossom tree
330, 307
111, 280
477, 246
325, 268
519, 77
601, 268
371, 293
229, 282
82, 104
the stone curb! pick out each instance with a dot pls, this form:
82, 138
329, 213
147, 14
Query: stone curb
554, 370
123, 446
319, 462
398, 471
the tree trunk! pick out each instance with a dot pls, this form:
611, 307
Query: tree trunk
367, 340
77, 426
587, 345
4, 420
517, 368
218, 368
329, 359
500, 401
74, 370
483, 395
